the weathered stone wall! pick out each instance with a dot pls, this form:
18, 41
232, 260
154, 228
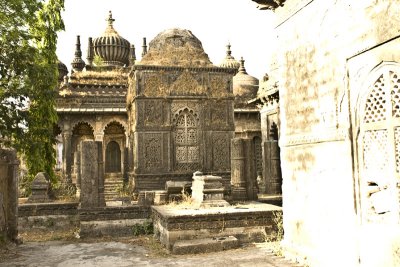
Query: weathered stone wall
181, 121
325, 51
8, 194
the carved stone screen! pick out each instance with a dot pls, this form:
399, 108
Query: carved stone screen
186, 141
380, 133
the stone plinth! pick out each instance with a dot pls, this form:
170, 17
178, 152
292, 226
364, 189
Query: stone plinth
208, 191
92, 174
146, 198
250, 222
160, 197
40, 188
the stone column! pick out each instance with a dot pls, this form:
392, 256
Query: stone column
250, 169
9, 194
67, 160
238, 179
272, 172
92, 174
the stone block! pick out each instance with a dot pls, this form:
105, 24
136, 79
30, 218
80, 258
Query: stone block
208, 191
160, 197
205, 245
146, 198
40, 188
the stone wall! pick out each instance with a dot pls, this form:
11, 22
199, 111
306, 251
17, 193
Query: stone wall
8, 195
326, 50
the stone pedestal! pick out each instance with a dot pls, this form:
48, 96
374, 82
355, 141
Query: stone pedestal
40, 188
208, 191
92, 174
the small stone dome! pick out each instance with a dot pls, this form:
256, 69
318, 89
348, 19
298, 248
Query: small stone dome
176, 47
245, 87
111, 47
229, 61
62, 70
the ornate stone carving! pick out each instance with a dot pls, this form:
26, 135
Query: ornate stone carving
219, 85
186, 84
221, 146
177, 107
153, 112
152, 150
375, 107
219, 114
154, 85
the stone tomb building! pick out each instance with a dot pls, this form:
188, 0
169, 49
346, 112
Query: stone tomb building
180, 110
159, 119
337, 64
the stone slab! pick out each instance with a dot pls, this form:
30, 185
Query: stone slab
205, 245
248, 222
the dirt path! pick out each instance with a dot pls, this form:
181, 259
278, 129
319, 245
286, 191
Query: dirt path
133, 252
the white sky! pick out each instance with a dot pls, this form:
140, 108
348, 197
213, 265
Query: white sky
214, 22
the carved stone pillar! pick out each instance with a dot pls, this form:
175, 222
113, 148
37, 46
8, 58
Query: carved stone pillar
272, 172
238, 179
67, 157
92, 174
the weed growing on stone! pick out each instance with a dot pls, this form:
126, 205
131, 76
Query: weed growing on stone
143, 229
276, 237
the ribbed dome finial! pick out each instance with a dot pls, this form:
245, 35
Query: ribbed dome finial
229, 61
110, 19
112, 48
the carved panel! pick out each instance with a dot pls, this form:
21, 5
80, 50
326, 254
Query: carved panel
375, 152
397, 147
152, 148
221, 153
150, 113
186, 84
375, 107
219, 85
395, 94
219, 114
154, 85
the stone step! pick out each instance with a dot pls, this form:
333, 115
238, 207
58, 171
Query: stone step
205, 245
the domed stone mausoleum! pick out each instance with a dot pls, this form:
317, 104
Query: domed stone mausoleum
158, 119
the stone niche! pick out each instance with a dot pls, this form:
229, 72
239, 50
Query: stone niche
180, 111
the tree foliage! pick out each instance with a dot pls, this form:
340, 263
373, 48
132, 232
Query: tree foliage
28, 77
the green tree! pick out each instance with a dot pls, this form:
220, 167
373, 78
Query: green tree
28, 77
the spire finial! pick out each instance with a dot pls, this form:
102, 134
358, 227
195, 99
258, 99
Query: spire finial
77, 63
242, 69
90, 52
144, 46
228, 49
132, 57
110, 19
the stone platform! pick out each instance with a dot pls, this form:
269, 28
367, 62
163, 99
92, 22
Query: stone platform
248, 222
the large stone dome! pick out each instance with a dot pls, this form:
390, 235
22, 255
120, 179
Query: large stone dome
111, 47
176, 47
245, 86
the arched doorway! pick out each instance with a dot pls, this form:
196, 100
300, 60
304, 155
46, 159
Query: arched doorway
187, 155
81, 131
113, 157
379, 147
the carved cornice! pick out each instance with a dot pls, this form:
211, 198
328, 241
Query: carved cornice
180, 68
314, 138
269, 4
